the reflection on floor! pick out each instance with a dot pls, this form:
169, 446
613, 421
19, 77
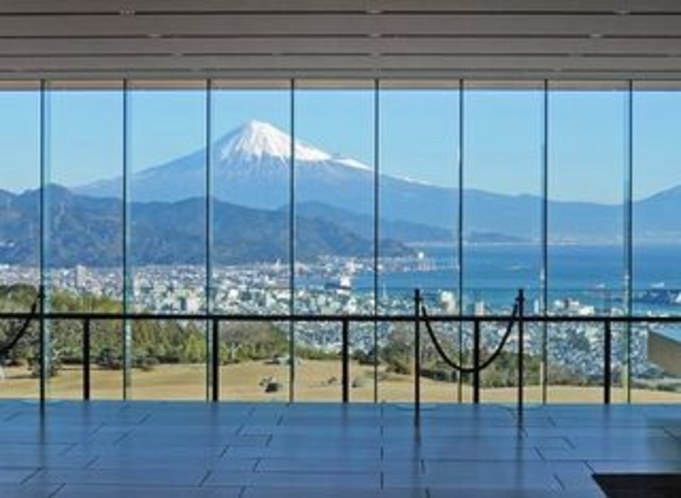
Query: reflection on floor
175, 449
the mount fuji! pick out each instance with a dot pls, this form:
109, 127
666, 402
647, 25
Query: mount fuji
251, 166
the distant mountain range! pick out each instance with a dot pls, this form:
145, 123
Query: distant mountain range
334, 211
251, 167
88, 231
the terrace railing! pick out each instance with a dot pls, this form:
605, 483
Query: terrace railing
420, 316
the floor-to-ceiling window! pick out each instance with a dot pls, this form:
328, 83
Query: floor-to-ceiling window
334, 231
587, 165
656, 239
419, 228
165, 237
340, 198
83, 244
250, 184
20, 231
502, 207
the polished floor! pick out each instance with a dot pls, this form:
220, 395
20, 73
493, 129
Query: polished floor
171, 449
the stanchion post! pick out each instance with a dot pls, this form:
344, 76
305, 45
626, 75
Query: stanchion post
417, 356
521, 351
215, 360
607, 359
86, 359
346, 359
476, 361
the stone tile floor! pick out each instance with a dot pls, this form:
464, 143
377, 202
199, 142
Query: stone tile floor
176, 449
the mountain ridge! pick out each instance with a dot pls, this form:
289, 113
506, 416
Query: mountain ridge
88, 231
251, 167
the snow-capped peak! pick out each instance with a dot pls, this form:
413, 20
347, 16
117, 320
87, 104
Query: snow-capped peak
259, 139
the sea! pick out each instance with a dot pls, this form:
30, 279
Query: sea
594, 274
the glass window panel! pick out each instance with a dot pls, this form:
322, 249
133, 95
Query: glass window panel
418, 220
250, 253
656, 242
84, 232
334, 225
503, 137
587, 146
167, 248
19, 232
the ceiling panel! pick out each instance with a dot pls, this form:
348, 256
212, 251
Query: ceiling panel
230, 25
432, 45
499, 39
181, 6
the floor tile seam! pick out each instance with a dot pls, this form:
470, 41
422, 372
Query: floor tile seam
270, 437
96, 430
124, 435
222, 453
12, 416
589, 465
69, 448
492, 459
20, 467
202, 481
562, 485
541, 456
56, 492
569, 442
36, 471
671, 434
144, 419
428, 461
113, 483
378, 472
122, 486
299, 471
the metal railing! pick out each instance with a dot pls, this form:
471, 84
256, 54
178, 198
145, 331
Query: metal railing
345, 320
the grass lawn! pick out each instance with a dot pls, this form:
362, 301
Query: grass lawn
315, 380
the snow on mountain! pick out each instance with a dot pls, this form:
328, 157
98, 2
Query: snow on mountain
256, 152
260, 139
251, 167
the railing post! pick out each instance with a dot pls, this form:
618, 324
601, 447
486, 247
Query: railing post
43, 351
607, 359
417, 356
215, 359
476, 361
86, 359
346, 360
521, 351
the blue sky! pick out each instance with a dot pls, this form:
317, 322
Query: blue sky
419, 135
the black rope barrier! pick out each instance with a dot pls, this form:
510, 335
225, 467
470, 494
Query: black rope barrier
487, 362
23, 329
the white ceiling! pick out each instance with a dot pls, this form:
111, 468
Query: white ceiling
414, 39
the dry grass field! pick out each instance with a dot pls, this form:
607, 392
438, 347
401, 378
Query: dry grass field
314, 381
